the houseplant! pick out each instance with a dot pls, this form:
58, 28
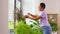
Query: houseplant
23, 28
36, 26
53, 25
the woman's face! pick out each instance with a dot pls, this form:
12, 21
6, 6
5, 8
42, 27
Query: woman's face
40, 8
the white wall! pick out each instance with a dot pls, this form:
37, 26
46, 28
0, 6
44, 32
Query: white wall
4, 17
11, 10
52, 6
29, 6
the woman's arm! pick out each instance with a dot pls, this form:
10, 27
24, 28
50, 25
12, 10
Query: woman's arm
31, 15
35, 17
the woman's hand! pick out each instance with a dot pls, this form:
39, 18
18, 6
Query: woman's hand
31, 15
34, 17
26, 16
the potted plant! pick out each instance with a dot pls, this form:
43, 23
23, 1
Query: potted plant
23, 28
53, 25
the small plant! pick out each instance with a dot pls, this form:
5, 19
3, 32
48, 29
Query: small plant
36, 27
53, 25
11, 25
22, 28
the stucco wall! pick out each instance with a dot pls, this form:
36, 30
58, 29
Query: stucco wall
59, 17
52, 6
4, 17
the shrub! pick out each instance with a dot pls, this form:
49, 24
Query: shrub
53, 25
22, 28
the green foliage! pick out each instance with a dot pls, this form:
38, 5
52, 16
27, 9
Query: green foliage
36, 27
22, 20
22, 28
53, 25
11, 25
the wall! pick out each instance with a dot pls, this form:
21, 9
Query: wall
11, 10
59, 17
4, 17
52, 6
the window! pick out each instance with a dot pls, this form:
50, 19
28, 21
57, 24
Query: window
11, 16
13, 8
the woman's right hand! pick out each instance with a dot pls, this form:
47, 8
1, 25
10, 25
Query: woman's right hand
26, 16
